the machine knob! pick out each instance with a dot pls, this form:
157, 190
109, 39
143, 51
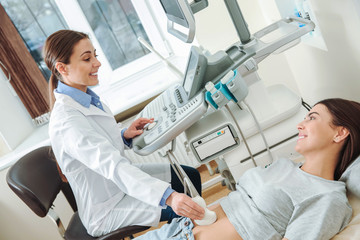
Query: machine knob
151, 125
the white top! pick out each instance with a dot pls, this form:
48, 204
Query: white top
110, 192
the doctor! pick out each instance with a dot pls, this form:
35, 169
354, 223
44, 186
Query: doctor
89, 147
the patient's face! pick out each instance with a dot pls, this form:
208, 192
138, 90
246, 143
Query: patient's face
316, 133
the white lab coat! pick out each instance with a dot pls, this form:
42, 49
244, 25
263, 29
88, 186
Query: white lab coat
110, 192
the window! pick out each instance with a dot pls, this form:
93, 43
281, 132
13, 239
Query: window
113, 26
116, 26
26, 78
35, 20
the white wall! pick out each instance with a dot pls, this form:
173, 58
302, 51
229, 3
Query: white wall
333, 73
15, 121
215, 31
313, 73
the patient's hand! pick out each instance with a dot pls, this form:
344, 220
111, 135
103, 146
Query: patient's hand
183, 205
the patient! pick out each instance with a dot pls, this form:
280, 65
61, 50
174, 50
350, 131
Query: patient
287, 200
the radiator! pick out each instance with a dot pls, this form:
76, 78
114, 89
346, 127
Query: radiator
182, 152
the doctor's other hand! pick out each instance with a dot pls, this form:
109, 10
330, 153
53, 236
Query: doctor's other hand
183, 205
136, 127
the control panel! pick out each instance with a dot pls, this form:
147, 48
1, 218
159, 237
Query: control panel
176, 109
173, 113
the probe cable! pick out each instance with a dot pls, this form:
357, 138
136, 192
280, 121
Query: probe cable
259, 128
241, 133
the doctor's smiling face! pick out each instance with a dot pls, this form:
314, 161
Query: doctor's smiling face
316, 132
82, 70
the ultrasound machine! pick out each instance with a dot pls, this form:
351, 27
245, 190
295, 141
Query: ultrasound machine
223, 106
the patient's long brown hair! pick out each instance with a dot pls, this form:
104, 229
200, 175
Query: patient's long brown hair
345, 113
58, 48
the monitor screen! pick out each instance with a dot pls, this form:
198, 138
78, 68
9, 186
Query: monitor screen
195, 71
190, 74
173, 12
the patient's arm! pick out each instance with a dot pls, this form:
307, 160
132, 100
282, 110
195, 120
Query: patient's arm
221, 229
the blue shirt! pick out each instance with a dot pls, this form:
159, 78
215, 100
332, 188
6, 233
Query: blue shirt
79, 96
90, 97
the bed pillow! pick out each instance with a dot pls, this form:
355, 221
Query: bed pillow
352, 178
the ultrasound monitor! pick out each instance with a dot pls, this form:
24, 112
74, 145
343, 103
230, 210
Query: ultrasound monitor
195, 70
173, 12
179, 12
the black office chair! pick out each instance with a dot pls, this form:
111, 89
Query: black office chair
36, 181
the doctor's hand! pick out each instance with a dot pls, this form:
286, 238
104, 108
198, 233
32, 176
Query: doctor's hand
136, 128
183, 205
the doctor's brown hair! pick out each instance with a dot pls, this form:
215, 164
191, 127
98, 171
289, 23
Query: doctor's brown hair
58, 48
345, 113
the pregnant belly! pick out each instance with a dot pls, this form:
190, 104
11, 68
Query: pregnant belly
221, 229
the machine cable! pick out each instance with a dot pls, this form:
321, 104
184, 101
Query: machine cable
242, 135
210, 216
259, 128
305, 104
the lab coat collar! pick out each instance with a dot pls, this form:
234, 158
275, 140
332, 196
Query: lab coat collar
87, 111
76, 94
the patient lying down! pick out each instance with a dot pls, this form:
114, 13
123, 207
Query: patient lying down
286, 200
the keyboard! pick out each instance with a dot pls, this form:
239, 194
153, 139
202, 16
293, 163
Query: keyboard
173, 113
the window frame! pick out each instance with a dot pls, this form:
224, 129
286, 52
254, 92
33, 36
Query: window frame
76, 20
26, 78
154, 74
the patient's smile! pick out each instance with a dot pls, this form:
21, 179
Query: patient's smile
301, 136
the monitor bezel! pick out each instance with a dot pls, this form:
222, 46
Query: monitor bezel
197, 81
181, 21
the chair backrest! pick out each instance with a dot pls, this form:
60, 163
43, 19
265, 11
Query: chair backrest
36, 180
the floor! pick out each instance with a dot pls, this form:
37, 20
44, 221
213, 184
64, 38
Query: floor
210, 194
216, 191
